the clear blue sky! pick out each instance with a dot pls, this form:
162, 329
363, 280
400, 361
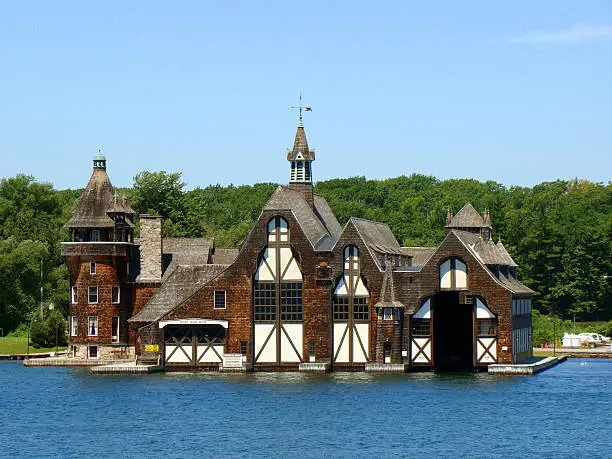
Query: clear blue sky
519, 92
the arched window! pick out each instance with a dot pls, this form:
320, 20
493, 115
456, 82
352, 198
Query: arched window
487, 321
351, 290
278, 299
278, 280
453, 274
420, 324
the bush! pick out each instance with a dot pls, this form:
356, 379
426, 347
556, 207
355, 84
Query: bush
45, 331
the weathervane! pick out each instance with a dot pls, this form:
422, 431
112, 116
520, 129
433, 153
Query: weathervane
302, 107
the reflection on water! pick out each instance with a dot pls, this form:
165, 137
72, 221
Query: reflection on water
63, 412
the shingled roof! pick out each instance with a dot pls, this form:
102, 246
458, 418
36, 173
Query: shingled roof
94, 202
183, 282
387, 291
300, 147
467, 217
377, 236
489, 253
185, 251
314, 226
420, 255
225, 256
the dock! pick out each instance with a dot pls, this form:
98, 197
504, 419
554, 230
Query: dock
68, 362
533, 366
125, 368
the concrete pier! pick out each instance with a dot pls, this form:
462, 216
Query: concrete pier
386, 368
125, 368
532, 367
315, 367
65, 362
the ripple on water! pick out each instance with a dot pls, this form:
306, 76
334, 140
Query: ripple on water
63, 412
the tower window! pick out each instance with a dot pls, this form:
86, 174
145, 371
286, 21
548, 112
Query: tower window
92, 267
92, 326
92, 294
95, 235
74, 325
115, 294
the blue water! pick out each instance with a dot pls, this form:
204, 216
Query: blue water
64, 412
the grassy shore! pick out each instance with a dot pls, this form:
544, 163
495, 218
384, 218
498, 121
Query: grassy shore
19, 345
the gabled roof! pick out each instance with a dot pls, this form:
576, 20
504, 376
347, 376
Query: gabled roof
183, 282
486, 251
185, 251
467, 217
327, 216
300, 147
491, 256
91, 208
505, 255
377, 236
225, 256
284, 198
420, 255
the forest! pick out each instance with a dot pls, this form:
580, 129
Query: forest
558, 232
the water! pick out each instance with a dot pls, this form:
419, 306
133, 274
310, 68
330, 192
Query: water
64, 412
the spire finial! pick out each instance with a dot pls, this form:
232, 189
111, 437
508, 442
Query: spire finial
301, 107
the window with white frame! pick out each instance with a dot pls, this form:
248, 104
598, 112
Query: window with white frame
92, 295
92, 267
92, 326
92, 352
219, 300
73, 294
74, 326
115, 294
115, 330
453, 274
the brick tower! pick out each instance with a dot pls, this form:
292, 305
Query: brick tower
101, 258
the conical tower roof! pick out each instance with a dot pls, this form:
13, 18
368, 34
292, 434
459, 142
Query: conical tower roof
94, 202
387, 291
467, 218
300, 147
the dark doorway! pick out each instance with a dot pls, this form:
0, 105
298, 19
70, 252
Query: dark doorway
453, 333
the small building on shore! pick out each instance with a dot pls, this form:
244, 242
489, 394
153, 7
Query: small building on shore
300, 292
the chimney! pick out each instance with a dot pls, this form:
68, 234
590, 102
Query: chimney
150, 248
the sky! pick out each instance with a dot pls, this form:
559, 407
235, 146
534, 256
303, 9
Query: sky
516, 92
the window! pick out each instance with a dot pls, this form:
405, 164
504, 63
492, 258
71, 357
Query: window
92, 294
312, 349
74, 326
388, 314
115, 295
341, 308
360, 308
92, 267
421, 321
219, 299
73, 295
93, 352
453, 274
95, 235
92, 326
487, 327
115, 330
265, 301
243, 347
291, 301
127, 268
